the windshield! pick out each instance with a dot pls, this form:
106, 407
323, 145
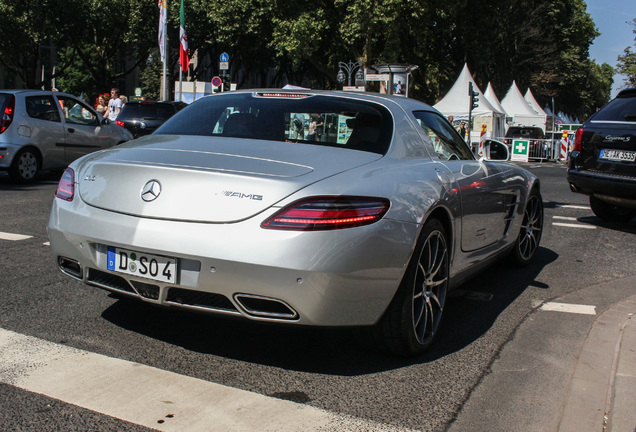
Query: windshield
291, 117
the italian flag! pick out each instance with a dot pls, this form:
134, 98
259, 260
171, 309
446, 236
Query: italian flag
184, 59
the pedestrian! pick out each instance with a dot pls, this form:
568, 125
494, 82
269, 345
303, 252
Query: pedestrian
311, 133
124, 99
298, 127
462, 130
101, 106
114, 105
320, 127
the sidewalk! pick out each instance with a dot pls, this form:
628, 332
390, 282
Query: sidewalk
564, 372
603, 390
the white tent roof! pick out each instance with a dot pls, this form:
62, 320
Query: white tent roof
529, 97
521, 112
490, 95
456, 101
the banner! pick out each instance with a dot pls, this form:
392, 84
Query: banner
184, 58
163, 19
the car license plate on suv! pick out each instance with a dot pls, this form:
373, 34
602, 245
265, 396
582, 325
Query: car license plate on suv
618, 155
145, 265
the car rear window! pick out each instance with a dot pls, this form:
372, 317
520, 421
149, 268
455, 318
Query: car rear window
517, 132
146, 111
621, 109
4, 99
290, 117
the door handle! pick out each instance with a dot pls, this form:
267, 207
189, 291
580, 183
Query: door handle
71, 130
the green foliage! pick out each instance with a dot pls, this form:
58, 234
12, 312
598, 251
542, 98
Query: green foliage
542, 44
627, 63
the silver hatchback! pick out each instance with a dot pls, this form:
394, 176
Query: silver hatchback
48, 130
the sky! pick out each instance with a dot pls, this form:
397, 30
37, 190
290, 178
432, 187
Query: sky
612, 19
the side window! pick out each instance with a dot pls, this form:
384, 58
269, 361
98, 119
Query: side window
77, 113
447, 143
43, 108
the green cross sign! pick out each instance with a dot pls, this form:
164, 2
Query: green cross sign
520, 150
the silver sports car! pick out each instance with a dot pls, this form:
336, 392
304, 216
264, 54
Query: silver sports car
303, 207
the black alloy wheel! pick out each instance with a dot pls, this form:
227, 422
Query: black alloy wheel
530, 232
413, 318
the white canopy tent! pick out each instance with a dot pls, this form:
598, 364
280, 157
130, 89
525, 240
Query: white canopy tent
456, 104
520, 110
529, 97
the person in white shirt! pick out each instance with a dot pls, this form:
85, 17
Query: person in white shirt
114, 105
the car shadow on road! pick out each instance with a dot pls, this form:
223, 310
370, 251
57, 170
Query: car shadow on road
336, 351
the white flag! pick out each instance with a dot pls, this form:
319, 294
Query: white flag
163, 18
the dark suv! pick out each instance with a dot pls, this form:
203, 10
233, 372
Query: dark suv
603, 160
526, 132
144, 117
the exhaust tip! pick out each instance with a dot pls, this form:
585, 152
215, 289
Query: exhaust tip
265, 307
70, 267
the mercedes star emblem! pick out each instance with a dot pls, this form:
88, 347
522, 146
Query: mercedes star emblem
151, 191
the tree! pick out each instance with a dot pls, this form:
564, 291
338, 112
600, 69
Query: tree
627, 63
26, 28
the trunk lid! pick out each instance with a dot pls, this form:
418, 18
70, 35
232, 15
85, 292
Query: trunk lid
203, 179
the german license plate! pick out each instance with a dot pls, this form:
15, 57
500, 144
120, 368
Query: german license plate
145, 265
618, 155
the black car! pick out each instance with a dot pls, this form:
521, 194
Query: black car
531, 133
603, 160
144, 117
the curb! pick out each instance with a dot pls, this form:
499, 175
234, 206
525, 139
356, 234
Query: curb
601, 395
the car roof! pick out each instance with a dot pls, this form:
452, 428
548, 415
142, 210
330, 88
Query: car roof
36, 92
390, 101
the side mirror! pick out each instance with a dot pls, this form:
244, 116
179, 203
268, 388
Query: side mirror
105, 121
496, 150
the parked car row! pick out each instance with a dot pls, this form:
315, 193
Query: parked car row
45, 130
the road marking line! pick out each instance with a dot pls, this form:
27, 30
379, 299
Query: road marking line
574, 225
46, 244
13, 237
564, 217
569, 308
573, 207
152, 397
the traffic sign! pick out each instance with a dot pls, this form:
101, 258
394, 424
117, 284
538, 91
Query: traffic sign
224, 65
216, 81
520, 150
378, 77
224, 58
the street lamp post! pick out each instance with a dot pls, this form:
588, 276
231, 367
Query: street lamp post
350, 68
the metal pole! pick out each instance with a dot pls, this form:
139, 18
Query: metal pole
180, 84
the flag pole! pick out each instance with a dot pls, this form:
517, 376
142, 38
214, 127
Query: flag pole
165, 68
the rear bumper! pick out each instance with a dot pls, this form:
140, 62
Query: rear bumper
619, 190
338, 278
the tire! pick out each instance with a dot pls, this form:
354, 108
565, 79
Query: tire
25, 166
411, 322
527, 243
609, 212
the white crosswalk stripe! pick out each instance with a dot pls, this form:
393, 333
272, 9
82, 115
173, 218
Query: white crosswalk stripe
153, 397
13, 237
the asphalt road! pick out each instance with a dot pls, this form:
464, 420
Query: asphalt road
324, 369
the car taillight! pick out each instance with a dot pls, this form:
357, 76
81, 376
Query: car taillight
578, 137
328, 213
66, 186
6, 117
119, 123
